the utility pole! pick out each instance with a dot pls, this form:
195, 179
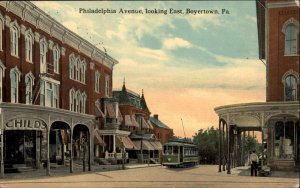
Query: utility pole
183, 128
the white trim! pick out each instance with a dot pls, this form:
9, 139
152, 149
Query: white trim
282, 4
56, 49
29, 76
290, 72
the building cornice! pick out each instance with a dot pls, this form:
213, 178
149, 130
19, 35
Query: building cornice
30, 13
283, 4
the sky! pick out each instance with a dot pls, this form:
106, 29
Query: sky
186, 64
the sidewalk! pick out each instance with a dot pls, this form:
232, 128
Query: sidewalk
245, 171
58, 170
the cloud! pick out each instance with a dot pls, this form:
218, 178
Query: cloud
173, 43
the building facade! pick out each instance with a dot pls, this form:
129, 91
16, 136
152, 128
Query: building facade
50, 79
278, 117
162, 132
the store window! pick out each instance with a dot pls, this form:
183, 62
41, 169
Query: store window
284, 139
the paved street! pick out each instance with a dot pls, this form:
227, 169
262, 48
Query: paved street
158, 176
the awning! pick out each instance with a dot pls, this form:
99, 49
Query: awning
64, 136
98, 111
144, 124
134, 122
126, 141
150, 124
137, 144
146, 145
157, 145
97, 138
128, 121
110, 110
120, 117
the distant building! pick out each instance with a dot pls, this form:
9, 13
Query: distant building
278, 117
162, 132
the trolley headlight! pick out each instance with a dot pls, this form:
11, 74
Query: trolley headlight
169, 159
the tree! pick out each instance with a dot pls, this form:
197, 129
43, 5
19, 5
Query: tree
208, 143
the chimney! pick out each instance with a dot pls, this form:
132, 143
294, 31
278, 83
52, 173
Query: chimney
156, 116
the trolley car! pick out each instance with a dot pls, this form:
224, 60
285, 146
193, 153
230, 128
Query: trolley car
180, 153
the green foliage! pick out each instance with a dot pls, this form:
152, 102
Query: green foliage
208, 144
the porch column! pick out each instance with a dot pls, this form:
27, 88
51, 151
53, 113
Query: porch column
223, 146
48, 147
2, 144
114, 143
71, 147
90, 135
228, 149
295, 143
220, 159
239, 162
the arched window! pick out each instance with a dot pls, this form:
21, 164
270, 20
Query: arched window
97, 81
28, 45
83, 102
14, 41
290, 39
56, 56
29, 82
14, 85
43, 56
71, 66
2, 74
78, 101
71, 99
107, 85
2, 21
290, 88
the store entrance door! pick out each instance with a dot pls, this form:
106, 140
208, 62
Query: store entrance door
20, 147
298, 142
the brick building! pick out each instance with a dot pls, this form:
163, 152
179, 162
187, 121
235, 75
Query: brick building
50, 79
278, 117
162, 132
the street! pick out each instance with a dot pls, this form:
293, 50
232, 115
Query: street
158, 176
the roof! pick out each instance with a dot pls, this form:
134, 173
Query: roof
158, 123
144, 104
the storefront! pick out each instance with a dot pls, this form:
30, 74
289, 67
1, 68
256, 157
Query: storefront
35, 136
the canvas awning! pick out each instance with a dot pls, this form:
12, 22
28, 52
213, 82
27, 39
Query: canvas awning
146, 145
110, 110
157, 145
144, 124
128, 121
137, 144
97, 138
120, 117
126, 141
98, 111
134, 122
150, 124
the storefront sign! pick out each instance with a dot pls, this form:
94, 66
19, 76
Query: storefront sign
25, 124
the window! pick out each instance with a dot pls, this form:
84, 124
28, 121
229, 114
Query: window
291, 39
29, 82
77, 69
71, 99
83, 103
43, 56
2, 74
290, 91
56, 56
77, 101
14, 85
72, 66
28, 45
49, 94
2, 26
97, 81
107, 83
14, 41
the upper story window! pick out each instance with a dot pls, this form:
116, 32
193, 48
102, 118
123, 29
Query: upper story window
2, 26
97, 81
107, 85
29, 82
49, 94
14, 84
291, 30
43, 56
14, 38
77, 101
77, 69
56, 57
29, 40
2, 74
290, 88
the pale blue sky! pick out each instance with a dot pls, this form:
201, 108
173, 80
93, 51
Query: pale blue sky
186, 64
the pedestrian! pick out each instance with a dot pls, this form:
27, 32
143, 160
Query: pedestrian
254, 163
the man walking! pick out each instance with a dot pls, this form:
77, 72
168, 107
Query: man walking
254, 163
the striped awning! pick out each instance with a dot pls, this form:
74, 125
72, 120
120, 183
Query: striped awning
150, 124
144, 124
134, 122
137, 144
146, 145
128, 121
157, 145
97, 138
128, 144
110, 110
